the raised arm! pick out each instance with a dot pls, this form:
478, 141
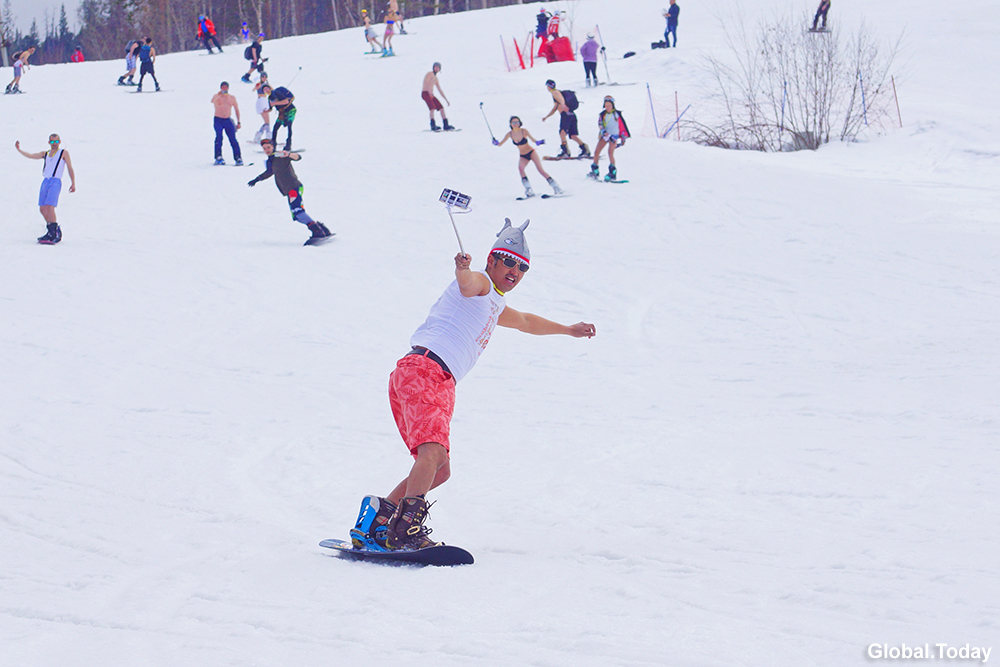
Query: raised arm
539, 326
470, 283
33, 156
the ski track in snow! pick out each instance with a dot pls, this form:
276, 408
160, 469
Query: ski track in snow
781, 447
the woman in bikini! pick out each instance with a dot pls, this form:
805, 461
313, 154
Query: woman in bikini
520, 137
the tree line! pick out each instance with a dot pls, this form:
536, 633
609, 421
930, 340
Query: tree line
106, 26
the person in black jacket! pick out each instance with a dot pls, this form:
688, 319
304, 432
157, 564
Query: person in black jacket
279, 165
256, 62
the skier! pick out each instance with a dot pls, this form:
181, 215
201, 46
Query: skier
671, 16
612, 132
588, 53
520, 137
279, 165
263, 108
244, 33
225, 104
390, 19
422, 387
433, 103
20, 64
147, 56
56, 161
253, 55
131, 55
568, 126
281, 99
370, 33
543, 24
206, 32
824, 7
77, 56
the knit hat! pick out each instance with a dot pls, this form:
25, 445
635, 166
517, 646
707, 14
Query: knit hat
511, 242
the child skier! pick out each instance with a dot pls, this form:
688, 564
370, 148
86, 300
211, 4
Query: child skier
279, 165
612, 132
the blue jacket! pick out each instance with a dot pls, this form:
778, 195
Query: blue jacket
672, 15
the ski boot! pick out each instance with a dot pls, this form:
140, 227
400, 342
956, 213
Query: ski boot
157, 87
219, 160
584, 151
372, 524
239, 162
130, 82
245, 78
53, 235
320, 234
612, 173
563, 152
555, 186
595, 172
434, 126
446, 125
528, 192
406, 528
7, 90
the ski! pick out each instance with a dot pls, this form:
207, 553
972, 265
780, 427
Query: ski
454, 129
547, 196
559, 159
525, 197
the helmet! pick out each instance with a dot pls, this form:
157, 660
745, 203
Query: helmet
590, 35
550, 84
364, 11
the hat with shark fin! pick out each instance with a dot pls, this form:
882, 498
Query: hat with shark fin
510, 241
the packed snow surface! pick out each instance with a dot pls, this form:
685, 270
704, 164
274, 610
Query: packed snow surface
781, 447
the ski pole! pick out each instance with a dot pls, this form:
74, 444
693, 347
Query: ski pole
487, 122
604, 54
293, 78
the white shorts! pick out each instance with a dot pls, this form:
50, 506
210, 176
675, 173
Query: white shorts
262, 104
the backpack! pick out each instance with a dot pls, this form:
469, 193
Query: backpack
130, 46
248, 53
570, 98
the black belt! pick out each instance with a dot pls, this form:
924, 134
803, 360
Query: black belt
424, 352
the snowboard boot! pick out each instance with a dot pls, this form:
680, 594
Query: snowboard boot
130, 81
564, 152
595, 172
612, 173
157, 87
121, 80
138, 88
434, 126
318, 230
555, 186
245, 78
447, 126
372, 524
584, 151
239, 162
407, 529
52, 236
528, 192
219, 160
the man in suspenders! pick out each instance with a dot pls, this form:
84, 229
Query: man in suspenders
55, 160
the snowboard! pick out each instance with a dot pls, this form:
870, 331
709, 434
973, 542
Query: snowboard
557, 158
320, 241
523, 198
818, 30
605, 180
443, 554
454, 129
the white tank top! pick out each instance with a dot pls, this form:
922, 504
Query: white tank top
54, 166
458, 327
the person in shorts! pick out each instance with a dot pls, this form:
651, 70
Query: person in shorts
422, 387
56, 161
131, 55
433, 103
568, 126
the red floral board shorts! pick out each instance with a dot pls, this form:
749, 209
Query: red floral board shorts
422, 398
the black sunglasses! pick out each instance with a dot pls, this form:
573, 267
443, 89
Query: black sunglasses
510, 263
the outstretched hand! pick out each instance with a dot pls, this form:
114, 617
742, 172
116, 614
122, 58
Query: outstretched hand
582, 330
495, 142
463, 261
540, 142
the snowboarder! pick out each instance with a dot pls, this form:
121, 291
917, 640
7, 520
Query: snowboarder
588, 53
390, 19
252, 54
281, 99
433, 103
147, 56
131, 55
612, 132
56, 161
20, 64
206, 33
824, 7
225, 104
520, 137
671, 16
263, 108
370, 33
279, 165
565, 103
422, 386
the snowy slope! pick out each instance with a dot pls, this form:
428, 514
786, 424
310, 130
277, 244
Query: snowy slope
781, 447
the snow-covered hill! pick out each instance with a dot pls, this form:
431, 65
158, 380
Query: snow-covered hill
781, 447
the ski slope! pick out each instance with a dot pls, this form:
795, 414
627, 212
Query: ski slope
781, 447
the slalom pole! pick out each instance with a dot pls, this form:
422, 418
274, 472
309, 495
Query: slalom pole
677, 110
604, 54
517, 49
667, 131
487, 122
781, 127
504, 47
897, 100
652, 109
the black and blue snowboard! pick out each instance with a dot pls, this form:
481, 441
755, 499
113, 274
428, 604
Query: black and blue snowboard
442, 554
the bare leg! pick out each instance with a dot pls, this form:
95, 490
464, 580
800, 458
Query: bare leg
431, 469
48, 212
521, 164
611, 151
538, 166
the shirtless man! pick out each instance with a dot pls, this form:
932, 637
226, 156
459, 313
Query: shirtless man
225, 104
20, 63
433, 103
568, 126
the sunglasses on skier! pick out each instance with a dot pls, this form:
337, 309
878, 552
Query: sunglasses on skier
510, 263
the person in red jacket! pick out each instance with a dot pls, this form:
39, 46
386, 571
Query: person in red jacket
77, 56
206, 32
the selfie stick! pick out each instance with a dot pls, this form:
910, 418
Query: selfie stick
454, 199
